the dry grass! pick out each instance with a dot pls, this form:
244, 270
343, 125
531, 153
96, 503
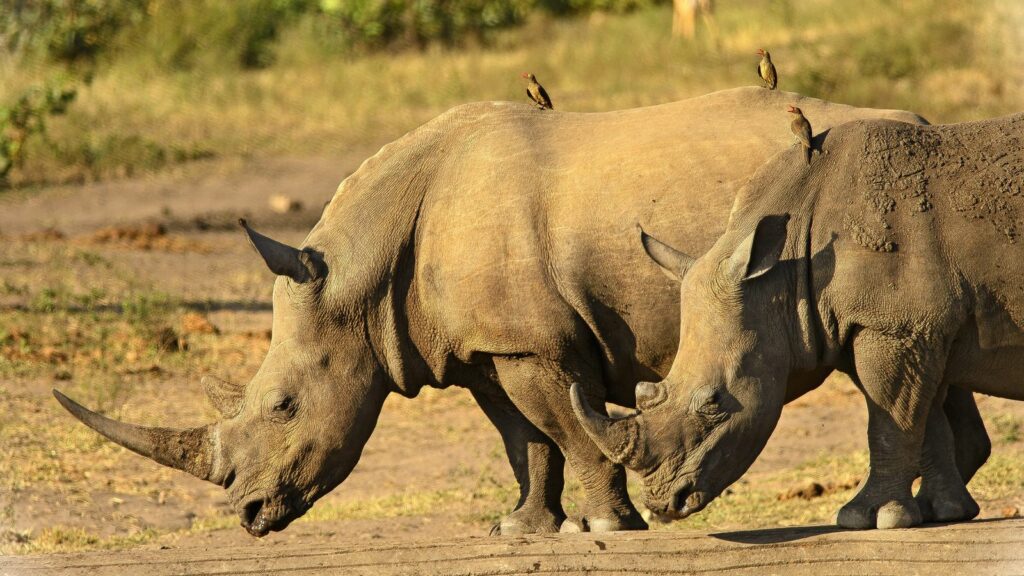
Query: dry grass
948, 60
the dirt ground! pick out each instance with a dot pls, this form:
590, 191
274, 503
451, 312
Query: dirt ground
125, 294
979, 548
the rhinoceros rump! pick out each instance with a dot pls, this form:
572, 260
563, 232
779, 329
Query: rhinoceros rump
493, 248
896, 258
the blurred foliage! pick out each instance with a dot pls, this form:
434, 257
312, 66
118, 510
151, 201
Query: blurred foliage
67, 31
181, 34
376, 23
26, 118
168, 81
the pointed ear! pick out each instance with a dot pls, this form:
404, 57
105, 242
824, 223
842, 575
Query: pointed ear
760, 252
673, 262
283, 260
225, 396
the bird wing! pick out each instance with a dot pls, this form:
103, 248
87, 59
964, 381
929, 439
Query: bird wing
544, 100
529, 94
759, 74
773, 77
802, 129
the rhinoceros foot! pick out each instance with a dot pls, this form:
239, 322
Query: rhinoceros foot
952, 504
601, 524
528, 521
862, 514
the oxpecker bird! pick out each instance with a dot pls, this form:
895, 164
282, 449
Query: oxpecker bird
766, 70
537, 93
802, 129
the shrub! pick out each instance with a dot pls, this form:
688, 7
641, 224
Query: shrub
25, 119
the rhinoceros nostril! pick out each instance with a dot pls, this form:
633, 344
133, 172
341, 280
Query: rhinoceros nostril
229, 480
250, 511
680, 497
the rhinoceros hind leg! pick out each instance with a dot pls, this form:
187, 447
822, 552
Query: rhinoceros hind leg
536, 462
539, 388
943, 497
970, 438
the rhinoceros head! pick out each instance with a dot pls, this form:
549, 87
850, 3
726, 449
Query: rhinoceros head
298, 428
699, 429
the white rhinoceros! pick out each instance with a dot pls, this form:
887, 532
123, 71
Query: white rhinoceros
895, 257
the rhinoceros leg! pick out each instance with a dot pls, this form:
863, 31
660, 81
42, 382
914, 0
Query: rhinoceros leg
901, 377
536, 461
972, 443
540, 389
943, 496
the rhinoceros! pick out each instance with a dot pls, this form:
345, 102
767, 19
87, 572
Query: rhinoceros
895, 257
485, 249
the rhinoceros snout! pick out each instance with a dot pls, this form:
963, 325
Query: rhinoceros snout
680, 503
259, 517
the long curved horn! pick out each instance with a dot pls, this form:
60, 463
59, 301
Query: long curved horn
618, 438
187, 450
282, 259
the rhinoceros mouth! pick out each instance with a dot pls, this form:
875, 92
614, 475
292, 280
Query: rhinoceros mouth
684, 500
263, 516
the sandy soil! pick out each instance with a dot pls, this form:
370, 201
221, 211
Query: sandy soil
982, 548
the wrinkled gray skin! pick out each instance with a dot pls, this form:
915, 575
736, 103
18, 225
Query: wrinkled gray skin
896, 258
493, 248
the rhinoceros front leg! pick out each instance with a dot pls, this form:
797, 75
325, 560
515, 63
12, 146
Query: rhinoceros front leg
540, 389
901, 377
536, 462
943, 496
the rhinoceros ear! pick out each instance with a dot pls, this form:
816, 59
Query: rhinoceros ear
226, 397
672, 262
283, 260
760, 252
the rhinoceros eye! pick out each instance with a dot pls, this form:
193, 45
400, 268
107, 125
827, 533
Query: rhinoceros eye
284, 408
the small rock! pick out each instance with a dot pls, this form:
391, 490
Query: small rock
115, 501
807, 491
62, 375
52, 355
284, 204
1011, 512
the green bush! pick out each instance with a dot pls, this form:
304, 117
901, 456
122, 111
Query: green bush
26, 118
377, 23
66, 31
183, 34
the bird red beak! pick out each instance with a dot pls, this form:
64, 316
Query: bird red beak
525, 74
790, 109
760, 52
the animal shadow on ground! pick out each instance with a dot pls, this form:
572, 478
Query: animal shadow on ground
775, 535
780, 535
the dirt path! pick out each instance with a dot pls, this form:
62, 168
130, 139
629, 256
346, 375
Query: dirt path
995, 547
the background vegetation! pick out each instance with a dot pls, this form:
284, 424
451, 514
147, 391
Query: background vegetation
160, 82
